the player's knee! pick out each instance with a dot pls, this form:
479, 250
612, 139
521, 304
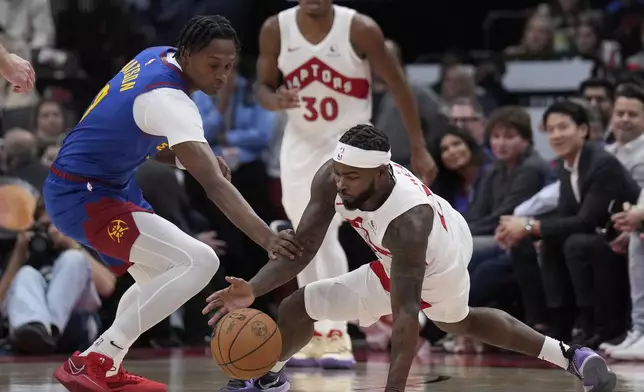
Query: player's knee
203, 259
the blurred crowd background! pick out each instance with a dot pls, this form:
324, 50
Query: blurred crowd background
482, 73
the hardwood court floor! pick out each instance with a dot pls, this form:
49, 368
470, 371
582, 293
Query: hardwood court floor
193, 370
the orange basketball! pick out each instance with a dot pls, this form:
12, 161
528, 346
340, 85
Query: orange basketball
246, 344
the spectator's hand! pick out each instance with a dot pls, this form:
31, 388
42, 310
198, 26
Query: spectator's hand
288, 98
620, 244
210, 238
629, 220
19, 73
424, 165
284, 244
502, 237
512, 230
236, 296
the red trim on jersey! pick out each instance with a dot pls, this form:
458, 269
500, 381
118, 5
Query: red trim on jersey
179, 72
379, 270
357, 223
312, 71
73, 177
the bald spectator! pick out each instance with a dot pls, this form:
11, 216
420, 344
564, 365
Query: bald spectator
19, 158
387, 117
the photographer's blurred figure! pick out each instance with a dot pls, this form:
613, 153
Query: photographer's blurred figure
51, 291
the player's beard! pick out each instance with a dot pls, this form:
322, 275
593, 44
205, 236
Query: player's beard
359, 200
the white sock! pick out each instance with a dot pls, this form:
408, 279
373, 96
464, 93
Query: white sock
551, 352
278, 366
112, 343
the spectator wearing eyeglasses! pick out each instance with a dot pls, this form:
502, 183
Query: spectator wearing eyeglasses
467, 113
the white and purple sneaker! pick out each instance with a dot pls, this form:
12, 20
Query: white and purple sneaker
271, 382
590, 368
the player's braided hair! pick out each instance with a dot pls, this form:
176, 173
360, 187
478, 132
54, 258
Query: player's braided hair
366, 137
200, 30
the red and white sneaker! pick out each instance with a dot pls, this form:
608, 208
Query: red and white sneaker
87, 374
84, 374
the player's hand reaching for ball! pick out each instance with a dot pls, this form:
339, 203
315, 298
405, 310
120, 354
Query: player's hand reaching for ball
238, 295
19, 73
287, 98
284, 244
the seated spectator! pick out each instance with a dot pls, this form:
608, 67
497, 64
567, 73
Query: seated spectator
632, 221
467, 114
582, 276
537, 40
387, 117
51, 291
19, 158
461, 164
600, 94
49, 123
517, 174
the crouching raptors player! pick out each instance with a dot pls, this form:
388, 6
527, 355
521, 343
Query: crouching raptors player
423, 246
325, 54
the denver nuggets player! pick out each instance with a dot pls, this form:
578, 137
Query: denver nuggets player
145, 111
325, 54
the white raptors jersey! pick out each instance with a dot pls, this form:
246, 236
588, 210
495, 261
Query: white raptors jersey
446, 235
334, 82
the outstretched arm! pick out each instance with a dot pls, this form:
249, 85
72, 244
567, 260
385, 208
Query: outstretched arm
171, 113
406, 237
311, 231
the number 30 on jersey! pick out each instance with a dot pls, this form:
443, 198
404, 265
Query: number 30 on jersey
326, 108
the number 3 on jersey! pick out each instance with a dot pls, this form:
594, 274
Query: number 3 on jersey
99, 97
327, 108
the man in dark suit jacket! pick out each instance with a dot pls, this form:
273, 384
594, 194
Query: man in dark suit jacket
585, 282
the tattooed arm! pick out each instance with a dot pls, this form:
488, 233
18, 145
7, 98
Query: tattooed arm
311, 231
406, 238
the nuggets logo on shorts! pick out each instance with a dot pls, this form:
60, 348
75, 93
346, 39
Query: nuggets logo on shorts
116, 230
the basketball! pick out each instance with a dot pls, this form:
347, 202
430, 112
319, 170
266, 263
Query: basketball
246, 344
